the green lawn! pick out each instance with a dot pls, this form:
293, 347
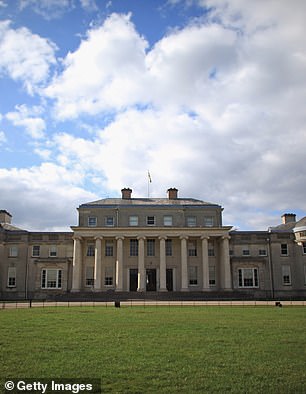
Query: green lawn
159, 349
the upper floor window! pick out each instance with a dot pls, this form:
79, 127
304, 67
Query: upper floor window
133, 220
192, 248
36, 251
246, 252
208, 221
11, 277
133, 247
262, 252
168, 220
109, 248
90, 250
168, 247
151, 247
51, 279
92, 221
284, 250
191, 221
53, 251
248, 277
304, 248
109, 221
151, 220
13, 251
286, 275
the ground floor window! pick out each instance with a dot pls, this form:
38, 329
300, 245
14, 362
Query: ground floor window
108, 280
89, 280
212, 276
11, 277
193, 275
286, 275
248, 277
51, 279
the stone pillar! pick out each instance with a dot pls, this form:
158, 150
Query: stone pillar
162, 264
205, 266
98, 264
119, 264
77, 264
226, 263
184, 269
141, 265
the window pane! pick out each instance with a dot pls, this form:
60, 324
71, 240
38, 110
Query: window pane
92, 221
133, 220
167, 220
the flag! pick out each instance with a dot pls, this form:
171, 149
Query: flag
149, 177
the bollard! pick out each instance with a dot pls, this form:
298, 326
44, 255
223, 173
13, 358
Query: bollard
117, 304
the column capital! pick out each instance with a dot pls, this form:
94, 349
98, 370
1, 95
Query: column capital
226, 237
184, 237
98, 237
162, 237
141, 237
120, 237
77, 238
205, 237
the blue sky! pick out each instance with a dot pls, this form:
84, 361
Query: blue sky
209, 95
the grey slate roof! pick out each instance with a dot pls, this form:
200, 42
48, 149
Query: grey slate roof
147, 202
10, 227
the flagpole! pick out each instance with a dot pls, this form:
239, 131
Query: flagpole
149, 181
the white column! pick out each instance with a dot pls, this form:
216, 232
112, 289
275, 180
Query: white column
162, 264
226, 263
77, 264
141, 265
119, 264
184, 269
98, 264
205, 266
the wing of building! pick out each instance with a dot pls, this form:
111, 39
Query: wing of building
164, 246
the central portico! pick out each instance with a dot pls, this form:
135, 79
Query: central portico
151, 244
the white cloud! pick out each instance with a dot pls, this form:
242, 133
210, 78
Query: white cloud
25, 56
2, 137
27, 118
45, 194
48, 9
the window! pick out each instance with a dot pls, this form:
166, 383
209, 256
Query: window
11, 277
108, 280
286, 275
89, 280
51, 279
133, 220
90, 250
133, 247
53, 251
109, 248
192, 248
262, 252
248, 277
92, 221
284, 250
212, 276
168, 220
208, 221
151, 247
151, 220
13, 251
109, 221
211, 250
245, 252
304, 248
36, 251
193, 275
191, 221
168, 247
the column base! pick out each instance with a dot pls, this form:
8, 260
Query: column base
118, 290
139, 290
75, 290
163, 290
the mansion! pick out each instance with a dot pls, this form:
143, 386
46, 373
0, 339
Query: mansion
153, 246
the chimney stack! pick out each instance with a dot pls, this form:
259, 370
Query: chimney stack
288, 218
5, 217
126, 193
172, 193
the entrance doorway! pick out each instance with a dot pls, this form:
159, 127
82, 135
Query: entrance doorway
151, 279
133, 279
169, 279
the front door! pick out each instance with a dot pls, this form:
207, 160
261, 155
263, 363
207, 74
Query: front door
169, 279
151, 279
133, 279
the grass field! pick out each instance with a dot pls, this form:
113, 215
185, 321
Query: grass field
159, 349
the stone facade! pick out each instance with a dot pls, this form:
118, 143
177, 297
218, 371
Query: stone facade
155, 246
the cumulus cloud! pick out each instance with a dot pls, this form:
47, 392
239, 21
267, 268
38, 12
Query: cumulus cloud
2, 137
25, 56
29, 119
48, 191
